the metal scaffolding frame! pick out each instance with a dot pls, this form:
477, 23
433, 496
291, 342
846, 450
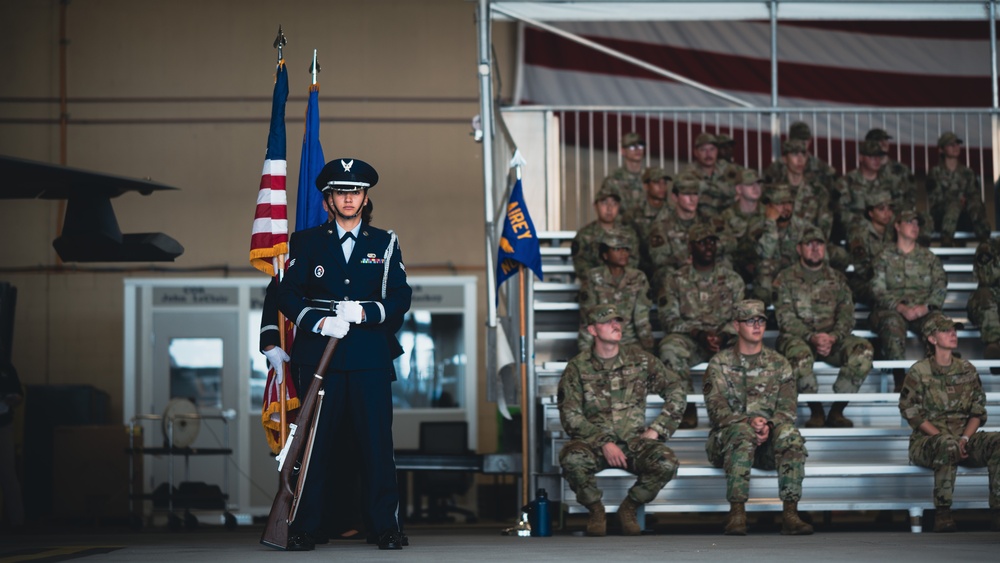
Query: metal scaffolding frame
498, 146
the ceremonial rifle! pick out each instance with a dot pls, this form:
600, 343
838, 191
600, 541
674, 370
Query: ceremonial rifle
276, 531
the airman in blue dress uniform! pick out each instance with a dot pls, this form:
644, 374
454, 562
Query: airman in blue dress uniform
346, 279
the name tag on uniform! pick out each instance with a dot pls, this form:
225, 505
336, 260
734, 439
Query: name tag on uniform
372, 259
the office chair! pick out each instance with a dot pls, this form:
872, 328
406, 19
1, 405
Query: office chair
440, 487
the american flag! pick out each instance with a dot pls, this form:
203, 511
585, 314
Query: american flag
309, 213
269, 238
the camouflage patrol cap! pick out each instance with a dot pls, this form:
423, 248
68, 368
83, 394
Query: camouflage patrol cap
724, 140
608, 189
799, 131
616, 237
704, 139
877, 197
779, 193
937, 322
748, 309
908, 215
877, 134
871, 148
947, 138
654, 173
793, 146
688, 184
747, 177
632, 138
701, 231
603, 313
812, 233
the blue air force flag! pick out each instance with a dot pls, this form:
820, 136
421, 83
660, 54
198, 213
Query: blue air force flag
519, 240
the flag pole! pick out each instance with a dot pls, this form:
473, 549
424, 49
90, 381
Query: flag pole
524, 392
314, 68
283, 388
279, 43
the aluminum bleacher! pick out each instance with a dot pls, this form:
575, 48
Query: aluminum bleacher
860, 468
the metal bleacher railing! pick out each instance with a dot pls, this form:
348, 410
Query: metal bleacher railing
860, 468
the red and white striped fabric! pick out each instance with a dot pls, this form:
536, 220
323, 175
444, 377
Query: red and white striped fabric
820, 63
269, 237
842, 65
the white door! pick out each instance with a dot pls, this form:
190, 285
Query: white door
196, 356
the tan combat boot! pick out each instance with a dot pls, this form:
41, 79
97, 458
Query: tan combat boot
943, 522
596, 525
792, 525
627, 517
816, 417
690, 417
736, 522
836, 418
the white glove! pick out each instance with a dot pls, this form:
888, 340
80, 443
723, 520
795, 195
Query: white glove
277, 358
350, 311
335, 327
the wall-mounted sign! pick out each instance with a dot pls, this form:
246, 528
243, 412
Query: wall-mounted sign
195, 296
427, 296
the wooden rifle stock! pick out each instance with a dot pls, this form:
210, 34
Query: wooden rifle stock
276, 531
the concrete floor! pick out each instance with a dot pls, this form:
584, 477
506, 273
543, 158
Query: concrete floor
857, 541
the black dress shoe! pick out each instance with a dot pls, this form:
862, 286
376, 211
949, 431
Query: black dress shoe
301, 542
390, 540
372, 539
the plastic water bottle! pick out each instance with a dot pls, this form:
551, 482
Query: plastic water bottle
542, 526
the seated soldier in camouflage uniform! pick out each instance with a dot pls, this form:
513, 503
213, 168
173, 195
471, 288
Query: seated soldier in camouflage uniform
695, 307
614, 282
667, 246
602, 406
735, 222
899, 181
867, 240
584, 250
984, 305
853, 187
725, 145
719, 176
655, 206
774, 236
815, 317
627, 179
943, 401
751, 400
816, 171
908, 283
953, 191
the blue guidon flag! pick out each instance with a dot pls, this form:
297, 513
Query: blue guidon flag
309, 210
519, 241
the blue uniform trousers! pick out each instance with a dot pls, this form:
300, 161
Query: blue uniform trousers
362, 399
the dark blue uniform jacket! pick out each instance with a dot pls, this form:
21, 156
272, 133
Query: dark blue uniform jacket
317, 271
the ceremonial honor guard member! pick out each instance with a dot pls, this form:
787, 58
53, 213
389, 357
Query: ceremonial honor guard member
346, 279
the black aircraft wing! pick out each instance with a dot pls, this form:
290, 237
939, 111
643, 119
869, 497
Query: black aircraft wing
90, 230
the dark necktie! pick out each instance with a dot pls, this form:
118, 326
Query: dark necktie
347, 235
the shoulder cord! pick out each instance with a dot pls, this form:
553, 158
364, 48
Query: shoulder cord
385, 260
